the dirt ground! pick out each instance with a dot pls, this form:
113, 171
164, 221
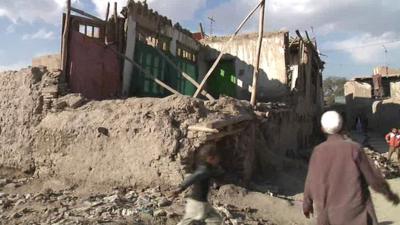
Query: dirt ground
387, 213
25, 200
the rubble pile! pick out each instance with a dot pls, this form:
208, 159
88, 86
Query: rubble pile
388, 168
67, 207
120, 206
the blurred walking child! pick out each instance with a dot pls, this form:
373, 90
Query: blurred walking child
197, 206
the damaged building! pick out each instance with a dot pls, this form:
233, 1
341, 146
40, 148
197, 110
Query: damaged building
375, 99
170, 54
139, 53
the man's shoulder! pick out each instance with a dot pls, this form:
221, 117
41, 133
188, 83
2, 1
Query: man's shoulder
347, 143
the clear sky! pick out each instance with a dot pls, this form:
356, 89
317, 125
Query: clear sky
352, 34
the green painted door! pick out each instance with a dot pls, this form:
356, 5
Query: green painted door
223, 80
152, 61
185, 87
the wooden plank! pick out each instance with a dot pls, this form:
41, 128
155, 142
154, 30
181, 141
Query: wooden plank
219, 124
185, 75
64, 47
83, 13
202, 129
223, 134
208, 74
256, 73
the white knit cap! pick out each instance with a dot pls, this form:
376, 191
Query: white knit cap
331, 122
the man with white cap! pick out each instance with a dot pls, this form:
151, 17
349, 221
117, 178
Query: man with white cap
338, 178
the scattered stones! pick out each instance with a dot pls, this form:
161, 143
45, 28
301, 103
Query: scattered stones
73, 101
3, 182
388, 168
159, 213
164, 202
117, 207
11, 185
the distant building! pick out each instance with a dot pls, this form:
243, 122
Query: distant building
375, 97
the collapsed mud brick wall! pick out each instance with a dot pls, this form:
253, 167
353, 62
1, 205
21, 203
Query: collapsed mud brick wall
136, 141
25, 97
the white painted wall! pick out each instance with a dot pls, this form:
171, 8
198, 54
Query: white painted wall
273, 77
129, 52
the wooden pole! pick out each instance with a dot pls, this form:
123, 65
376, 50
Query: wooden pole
259, 47
108, 11
203, 82
116, 24
86, 14
106, 25
185, 75
64, 47
202, 30
308, 37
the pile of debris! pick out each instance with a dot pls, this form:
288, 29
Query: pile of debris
388, 168
120, 206
67, 207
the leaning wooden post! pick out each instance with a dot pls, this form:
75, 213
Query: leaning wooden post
185, 75
106, 26
257, 64
222, 52
64, 47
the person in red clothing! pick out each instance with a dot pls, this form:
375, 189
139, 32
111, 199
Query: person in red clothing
392, 138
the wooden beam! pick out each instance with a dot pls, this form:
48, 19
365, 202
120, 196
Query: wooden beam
64, 47
222, 123
223, 134
299, 35
203, 129
83, 13
108, 11
202, 30
106, 25
185, 75
256, 73
148, 74
116, 40
308, 37
208, 74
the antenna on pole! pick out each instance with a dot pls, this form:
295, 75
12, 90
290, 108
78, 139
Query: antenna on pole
386, 51
212, 21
